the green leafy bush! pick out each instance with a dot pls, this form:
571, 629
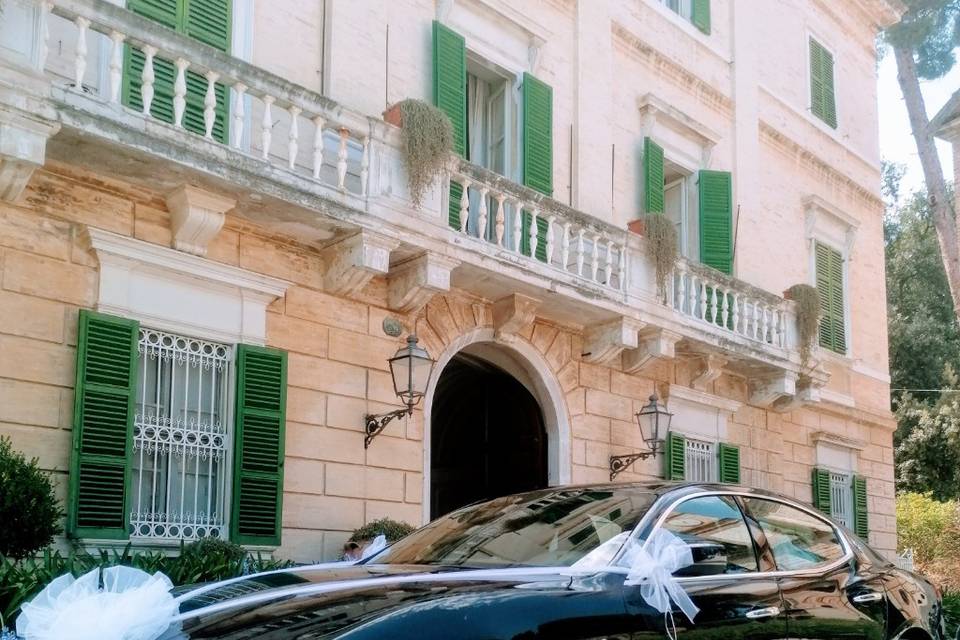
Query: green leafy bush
208, 560
392, 529
951, 611
928, 527
28, 507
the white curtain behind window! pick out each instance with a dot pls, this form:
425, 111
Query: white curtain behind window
477, 92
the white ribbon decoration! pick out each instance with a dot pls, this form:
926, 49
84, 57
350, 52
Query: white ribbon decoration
132, 605
652, 566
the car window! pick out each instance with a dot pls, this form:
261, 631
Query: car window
717, 534
797, 539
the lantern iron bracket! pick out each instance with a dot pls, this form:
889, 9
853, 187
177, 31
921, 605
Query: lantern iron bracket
375, 423
619, 463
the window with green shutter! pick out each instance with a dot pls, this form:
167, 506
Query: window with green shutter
715, 189
822, 93
207, 21
821, 490
652, 177
102, 426
450, 96
674, 459
260, 419
729, 459
830, 284
537, 155
700, 15
861, 522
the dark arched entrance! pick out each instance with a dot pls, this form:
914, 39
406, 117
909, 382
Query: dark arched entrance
487, 436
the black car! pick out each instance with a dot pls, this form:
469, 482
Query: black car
554, 564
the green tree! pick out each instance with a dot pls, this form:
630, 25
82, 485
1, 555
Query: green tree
928, 454
923, 44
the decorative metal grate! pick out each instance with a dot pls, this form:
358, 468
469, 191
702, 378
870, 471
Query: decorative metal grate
700, 459
180, 438
841, 498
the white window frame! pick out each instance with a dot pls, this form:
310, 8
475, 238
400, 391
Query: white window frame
684, 8
808, 36
700, 455
158, 526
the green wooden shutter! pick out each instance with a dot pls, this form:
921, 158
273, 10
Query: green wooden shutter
822, 93
450, 96
829, 267
674, 459
260, 420
105, 396
700, 15
729, 459
537, 134
652, 176
716, 220
861, 523
207, 21
821, 490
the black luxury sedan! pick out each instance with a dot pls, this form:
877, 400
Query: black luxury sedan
564, 563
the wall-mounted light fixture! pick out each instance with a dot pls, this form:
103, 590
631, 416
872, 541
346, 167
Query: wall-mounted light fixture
410, 367
654, 421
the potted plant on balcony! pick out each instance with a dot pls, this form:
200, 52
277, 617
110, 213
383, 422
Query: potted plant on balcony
808, 318
662, 246
426, 142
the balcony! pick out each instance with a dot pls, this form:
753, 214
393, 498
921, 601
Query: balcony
302, 165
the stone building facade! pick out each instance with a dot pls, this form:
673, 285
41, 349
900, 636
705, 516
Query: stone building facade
265, 243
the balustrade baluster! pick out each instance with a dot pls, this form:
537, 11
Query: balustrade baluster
80, 60
147, 77
703, 298
210, 104
45, 8
725, 304
342, 159
565, 246
180, 92
681, 299
293, 136
464, 205
266, 127
622, 269
517, 225
551, 242
318, 124
774, 326
499, 223
365, 167
116, 64
481, 230
595, 258
534, 227
756, 320
580, 252
736, 312
714, 305
609, 270
764, 331
239, 113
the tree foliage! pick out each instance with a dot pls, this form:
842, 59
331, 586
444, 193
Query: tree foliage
931, 28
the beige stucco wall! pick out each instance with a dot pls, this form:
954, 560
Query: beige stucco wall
338, 372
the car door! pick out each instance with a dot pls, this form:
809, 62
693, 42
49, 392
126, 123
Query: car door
736, 596
826, 592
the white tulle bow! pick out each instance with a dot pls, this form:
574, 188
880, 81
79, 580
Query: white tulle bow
652, 566
131, 605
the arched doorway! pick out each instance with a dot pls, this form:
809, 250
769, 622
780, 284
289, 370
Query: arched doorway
487, 433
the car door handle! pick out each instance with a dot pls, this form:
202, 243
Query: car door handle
865, 598
758, 614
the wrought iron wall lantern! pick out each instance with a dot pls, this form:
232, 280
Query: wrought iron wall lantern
654, 422
410, 368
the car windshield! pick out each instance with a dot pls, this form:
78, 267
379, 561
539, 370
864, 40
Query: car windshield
544, 529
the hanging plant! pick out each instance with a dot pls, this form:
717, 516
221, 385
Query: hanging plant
808, 318
426, 142
662, 245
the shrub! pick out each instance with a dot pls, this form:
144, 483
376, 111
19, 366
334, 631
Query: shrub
928, 527
427, 141
392, 529
951, 611
208, 560
29, 512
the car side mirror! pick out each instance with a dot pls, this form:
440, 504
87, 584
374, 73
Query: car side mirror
709, 559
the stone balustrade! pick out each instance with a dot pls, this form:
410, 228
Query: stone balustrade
524, 222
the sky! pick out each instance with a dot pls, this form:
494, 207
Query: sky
896, 142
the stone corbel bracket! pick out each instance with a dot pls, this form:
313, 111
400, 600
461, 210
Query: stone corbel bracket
512, 314
808, 392
709, 369
196, 217
654, 346
602, 343
355, 260
777, 389
23, 144
413, 282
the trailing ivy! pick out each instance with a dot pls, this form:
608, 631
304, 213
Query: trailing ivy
427, 142
808, 318
662, 244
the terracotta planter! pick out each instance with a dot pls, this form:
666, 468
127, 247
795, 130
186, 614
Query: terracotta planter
392, 115
636, 226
